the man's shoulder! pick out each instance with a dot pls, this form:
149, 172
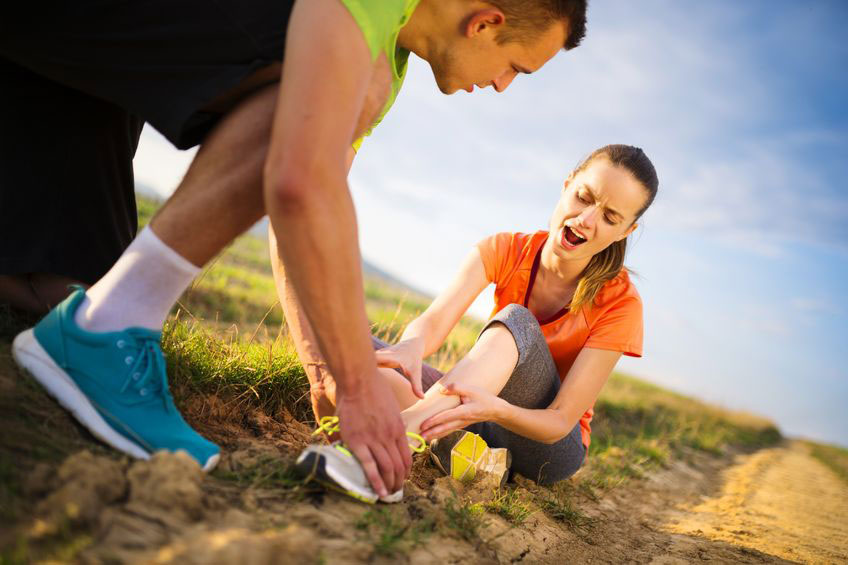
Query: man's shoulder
379, 20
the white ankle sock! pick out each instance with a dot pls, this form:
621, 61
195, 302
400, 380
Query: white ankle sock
140, 288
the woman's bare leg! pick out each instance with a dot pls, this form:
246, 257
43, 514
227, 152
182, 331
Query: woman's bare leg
488, 365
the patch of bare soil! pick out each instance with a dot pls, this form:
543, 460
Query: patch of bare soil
780, 500
87, 504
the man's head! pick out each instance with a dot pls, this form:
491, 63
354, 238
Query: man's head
499, 39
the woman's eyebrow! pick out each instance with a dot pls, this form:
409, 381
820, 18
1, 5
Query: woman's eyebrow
595, 197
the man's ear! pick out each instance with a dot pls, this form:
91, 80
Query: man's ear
628, 232
480, 21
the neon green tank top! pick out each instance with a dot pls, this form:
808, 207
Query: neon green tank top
380, 22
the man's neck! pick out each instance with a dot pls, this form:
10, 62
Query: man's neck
423, 27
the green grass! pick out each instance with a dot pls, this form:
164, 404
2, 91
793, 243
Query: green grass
464, 518
638, 427
267, 472
511, 506
563, 510
390, 533
241, 369
833, 456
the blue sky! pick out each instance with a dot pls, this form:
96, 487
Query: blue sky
743, 259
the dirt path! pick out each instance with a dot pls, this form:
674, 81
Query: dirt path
781, 501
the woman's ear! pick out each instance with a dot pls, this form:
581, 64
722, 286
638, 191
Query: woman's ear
628, 231
567, 182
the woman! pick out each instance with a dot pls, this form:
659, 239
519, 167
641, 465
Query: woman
565, 311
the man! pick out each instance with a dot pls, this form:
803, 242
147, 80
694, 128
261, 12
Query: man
206, 73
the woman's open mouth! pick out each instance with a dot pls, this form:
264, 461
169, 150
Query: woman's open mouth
570, 239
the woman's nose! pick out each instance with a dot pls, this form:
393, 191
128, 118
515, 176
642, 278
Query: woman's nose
587, 216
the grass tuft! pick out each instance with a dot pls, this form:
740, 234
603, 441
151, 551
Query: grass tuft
510, 506
563, 510
265, 375
267, 472
464, 518
391, 534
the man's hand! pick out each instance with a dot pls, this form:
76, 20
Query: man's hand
405, 355
373, 431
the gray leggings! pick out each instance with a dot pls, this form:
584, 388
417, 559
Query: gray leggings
534, 383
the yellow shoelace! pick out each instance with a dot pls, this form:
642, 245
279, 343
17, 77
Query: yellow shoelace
330, 425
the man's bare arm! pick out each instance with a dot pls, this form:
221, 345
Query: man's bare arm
325, 80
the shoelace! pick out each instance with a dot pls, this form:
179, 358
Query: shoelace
330, 425
148, 375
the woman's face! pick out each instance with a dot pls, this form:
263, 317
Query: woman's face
597, 207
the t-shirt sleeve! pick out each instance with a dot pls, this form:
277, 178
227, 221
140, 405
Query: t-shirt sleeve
619, 328
379, 20
494, 250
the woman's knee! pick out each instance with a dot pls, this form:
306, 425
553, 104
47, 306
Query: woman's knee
523, 328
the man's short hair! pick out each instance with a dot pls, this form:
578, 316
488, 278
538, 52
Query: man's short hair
525, 19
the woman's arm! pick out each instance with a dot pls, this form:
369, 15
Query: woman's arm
587, 376
426, 333
584, 382
434, 325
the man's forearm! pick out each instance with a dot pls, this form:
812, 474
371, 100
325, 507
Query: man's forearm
316, 225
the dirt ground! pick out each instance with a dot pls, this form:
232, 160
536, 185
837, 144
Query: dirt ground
91, 505
781, 500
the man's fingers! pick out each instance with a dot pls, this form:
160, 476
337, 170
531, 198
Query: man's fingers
406, 455
387, 466
369, 465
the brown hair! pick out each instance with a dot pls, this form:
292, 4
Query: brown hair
606, 264
526, 18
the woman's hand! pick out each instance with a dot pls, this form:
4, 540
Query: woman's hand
406, 356
478, 405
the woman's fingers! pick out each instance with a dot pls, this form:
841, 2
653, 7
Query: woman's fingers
386, 359
444, 429
415, 381
458, 413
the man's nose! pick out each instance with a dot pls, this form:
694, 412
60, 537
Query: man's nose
503, 81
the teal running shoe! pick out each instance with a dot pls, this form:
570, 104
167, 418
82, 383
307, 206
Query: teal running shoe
113, 383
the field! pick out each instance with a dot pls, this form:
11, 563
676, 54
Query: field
235, 376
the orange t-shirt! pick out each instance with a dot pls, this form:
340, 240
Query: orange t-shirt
613, 322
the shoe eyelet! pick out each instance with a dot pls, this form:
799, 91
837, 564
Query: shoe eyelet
136, 376
121, 343
143, 392
128, 360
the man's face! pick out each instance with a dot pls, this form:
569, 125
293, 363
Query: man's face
476, 59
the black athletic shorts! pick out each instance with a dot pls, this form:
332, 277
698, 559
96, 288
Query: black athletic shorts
77, 80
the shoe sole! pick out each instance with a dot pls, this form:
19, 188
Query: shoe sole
29, 355
312, 465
